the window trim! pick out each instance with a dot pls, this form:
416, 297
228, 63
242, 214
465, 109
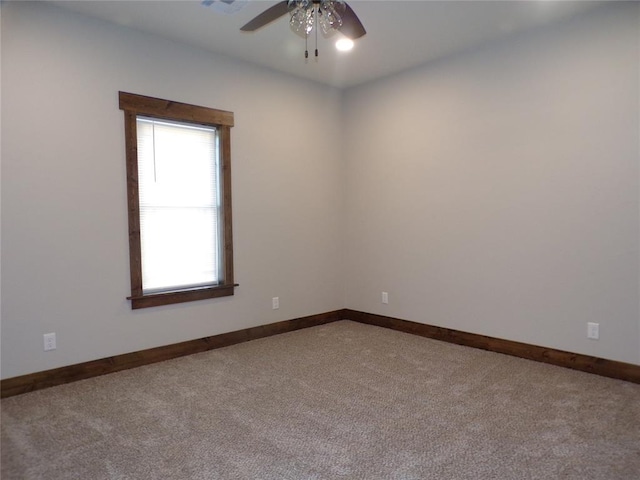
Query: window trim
134, 105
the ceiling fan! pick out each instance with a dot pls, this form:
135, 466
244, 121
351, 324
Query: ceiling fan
329, 15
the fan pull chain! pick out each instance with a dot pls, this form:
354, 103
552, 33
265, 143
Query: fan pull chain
306, 49
315, 10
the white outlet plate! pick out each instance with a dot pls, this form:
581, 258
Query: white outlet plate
49, 341
275, 303
593, 330
385, 297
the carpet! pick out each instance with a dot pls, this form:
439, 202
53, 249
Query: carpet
343, 400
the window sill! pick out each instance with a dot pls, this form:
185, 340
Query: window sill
181, 296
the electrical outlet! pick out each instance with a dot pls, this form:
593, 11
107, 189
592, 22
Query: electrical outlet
385, 297
275, 303
593, 330
49, 341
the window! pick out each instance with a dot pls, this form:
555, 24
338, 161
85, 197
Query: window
179, 200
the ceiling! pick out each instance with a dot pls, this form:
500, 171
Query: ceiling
400, 34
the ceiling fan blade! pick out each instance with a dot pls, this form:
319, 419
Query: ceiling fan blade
268, 16
351, 25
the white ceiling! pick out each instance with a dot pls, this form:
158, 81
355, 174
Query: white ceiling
400, 34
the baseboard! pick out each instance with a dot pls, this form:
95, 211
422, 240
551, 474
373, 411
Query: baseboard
575, 361
81, 371
59, 376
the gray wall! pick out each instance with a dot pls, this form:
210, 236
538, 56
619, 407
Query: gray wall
495, 192
64, 216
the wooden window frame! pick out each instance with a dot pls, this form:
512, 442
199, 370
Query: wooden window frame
134, 105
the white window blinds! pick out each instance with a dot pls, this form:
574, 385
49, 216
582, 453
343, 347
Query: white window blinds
180, 205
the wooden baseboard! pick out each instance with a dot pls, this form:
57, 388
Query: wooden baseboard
81, 371
599, 366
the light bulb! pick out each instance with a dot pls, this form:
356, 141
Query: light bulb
344, 44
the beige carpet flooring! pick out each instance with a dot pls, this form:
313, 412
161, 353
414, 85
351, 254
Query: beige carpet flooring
343, 400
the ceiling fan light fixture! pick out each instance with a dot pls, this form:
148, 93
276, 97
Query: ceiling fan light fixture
307, 16
328, 17
302, 19
304, 13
